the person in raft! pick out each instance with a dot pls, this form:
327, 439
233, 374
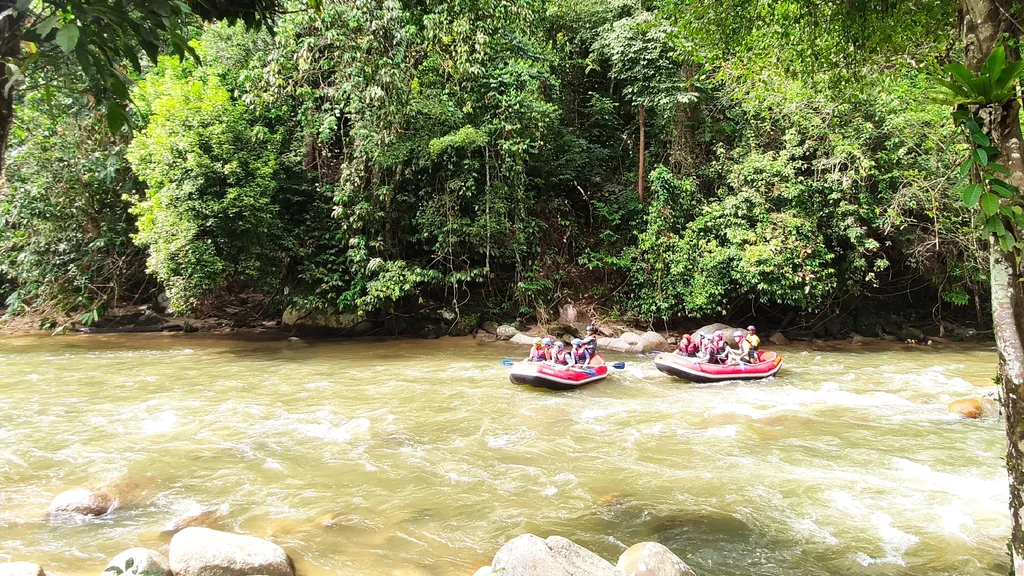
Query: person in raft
579, 355
537, 352
752, 338
718, 350
549, 349
687, 347
590, 342
560, 356
742, 355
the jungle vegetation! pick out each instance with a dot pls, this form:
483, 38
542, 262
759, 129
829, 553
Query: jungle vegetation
384, 156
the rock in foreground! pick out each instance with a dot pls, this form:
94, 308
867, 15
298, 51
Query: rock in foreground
652, 341
21, 569
505, 332
529, 555
205, 552
144, 561
974, 407
82, 501
652, 559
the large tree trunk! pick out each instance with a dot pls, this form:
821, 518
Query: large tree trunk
11, 23
984, 21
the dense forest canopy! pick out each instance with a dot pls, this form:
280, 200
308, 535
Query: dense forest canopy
386, 157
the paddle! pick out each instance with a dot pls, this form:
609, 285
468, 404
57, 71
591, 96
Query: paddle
617, 365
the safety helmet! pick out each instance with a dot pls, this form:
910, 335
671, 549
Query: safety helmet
576, 341
719, 335
559, 344
752, 329
737, 334
546, 341
537, 341
591, 328
686, 337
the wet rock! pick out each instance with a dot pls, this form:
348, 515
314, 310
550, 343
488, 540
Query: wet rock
490, 327
651, 341
606, 331
21, 569
198, 517
570, 315
361, 329
427, 330
484, 571
652, 559
717, 326
505, 332
529, 555
84, 502
144, 561
630, 338
522, 339
464, 325
974, 407
313, 320
604, 342
560, 329
779, 339
858, 339
205, 552
912, 334
616, 344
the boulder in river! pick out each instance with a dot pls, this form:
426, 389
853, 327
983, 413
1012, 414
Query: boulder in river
651, 341
505, 332
490, 327
318, 320
616, 344
83, 501
718, 326
529, 555
197, 516
522, 339
484, 571
652, 559
205, 552
21, 569
143, 561
630, 338
779, 339
974, 407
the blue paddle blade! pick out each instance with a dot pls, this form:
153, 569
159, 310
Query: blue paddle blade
507, 362
619, 365
589, 372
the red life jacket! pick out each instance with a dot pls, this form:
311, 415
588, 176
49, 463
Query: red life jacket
561, 356
537, 354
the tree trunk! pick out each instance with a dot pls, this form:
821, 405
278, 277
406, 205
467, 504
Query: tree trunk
984, 21
640, 179
10, 47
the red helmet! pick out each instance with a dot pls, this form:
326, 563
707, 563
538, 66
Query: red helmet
718, 335
685, 337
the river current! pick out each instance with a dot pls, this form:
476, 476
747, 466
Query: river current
420, 458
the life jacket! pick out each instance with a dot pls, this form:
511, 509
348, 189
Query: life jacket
590, 343
581, 355
688, 349
754, 341
715, 350
537, 354
561, 356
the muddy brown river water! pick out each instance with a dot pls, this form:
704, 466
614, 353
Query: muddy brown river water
419, 457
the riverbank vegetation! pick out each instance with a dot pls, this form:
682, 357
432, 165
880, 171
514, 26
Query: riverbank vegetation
389, 158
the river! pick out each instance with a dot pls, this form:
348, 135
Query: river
420, 458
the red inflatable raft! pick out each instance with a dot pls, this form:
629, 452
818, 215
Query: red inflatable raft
552, 377
694, 371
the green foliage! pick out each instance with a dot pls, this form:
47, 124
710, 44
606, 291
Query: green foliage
64, 227
102, 37
210, 214
977, 99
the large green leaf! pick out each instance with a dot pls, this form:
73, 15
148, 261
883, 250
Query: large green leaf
67, 37
966, 78
1008, 76
981, 138
989, 203
996, 60
980, 156
972, 193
